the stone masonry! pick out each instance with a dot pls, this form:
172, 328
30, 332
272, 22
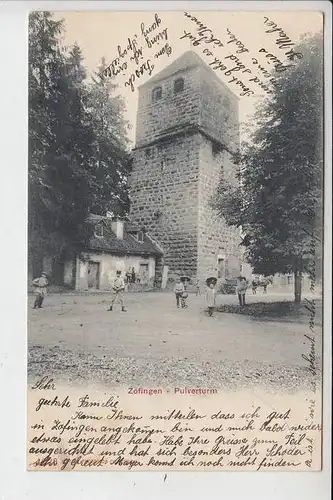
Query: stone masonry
186, 135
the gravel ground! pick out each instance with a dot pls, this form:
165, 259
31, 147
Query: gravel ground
154, 344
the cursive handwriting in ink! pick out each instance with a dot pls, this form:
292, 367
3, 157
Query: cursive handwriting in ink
206, 35
93, 432
55, 402
45, 383
283, 41
311, 357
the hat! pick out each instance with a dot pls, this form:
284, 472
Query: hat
211, 281
43, 273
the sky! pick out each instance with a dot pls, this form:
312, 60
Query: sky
234, 43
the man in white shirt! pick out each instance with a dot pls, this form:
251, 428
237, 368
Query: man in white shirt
118, 289
40, 285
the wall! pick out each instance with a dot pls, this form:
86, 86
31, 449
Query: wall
164, 198
172, 109
214, 236
218, 110
284, 283
109, 264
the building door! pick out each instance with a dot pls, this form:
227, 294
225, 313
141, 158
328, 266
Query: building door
93, 275
221, 268
74, 274
144, 273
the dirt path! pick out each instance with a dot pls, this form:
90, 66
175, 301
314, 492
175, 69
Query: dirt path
154, 343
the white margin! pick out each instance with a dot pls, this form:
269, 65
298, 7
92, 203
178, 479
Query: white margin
15, 482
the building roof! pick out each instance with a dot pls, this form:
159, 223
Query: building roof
189, 59
127, 245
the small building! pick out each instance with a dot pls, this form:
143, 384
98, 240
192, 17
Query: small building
114, 245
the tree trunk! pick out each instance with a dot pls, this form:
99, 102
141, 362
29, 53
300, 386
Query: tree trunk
297, 286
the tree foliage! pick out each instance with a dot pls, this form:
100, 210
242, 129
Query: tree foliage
78, 159
278, 200
112, 162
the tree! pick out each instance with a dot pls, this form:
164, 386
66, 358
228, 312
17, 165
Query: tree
278, 200
45, 61
76, 164
111, 158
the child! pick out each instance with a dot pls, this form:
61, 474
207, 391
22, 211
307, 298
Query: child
118, 288
179, 290
265, 283
210, 296
183, 298
197, 288
40, 285
241, 289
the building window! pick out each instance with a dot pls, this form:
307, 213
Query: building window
178, 85
140, 236
157, 93
99, 231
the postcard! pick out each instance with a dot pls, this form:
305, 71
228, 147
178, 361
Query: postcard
175, 240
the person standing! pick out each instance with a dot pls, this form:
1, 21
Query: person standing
118, 289
40, 285
241, 289
183, 298
197, 288
133, 275
210, 297
264, 284
254, 287
179, 290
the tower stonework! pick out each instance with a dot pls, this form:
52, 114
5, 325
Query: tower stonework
186, 134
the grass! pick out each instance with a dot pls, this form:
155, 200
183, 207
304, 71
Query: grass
281, 310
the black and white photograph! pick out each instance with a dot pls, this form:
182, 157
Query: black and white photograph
175, 240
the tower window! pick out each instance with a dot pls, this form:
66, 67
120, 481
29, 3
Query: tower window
157, 94
178, 85
140, 236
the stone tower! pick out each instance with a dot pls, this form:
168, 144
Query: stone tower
186, 133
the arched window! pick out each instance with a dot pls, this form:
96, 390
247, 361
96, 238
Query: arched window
178, 85
157, 93
140, 236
